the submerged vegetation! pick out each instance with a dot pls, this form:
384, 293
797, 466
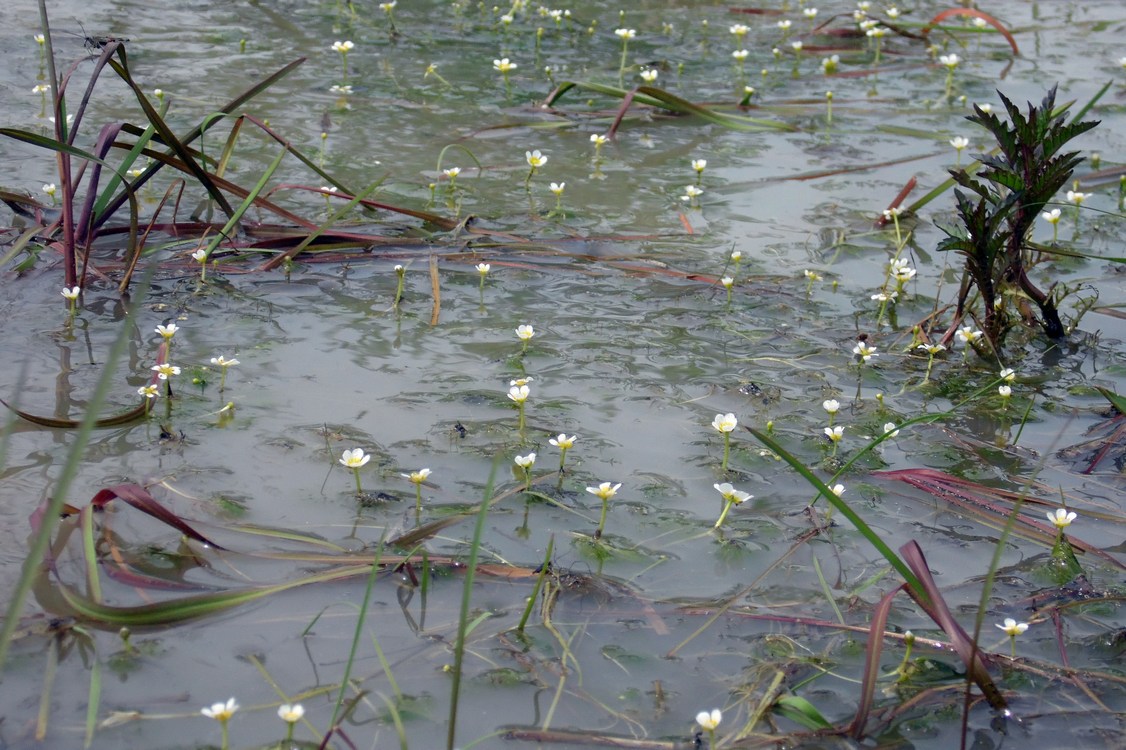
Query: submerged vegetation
628, 600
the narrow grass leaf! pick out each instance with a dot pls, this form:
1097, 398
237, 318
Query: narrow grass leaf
142, 500
952, 12
801, 712
872, 662
935, 606
865, 530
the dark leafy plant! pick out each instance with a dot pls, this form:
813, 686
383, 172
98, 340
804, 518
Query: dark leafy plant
1016, 180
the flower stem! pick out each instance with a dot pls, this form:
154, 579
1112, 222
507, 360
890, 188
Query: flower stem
726, 451
602, 519
417, 498
726, 507
359, 489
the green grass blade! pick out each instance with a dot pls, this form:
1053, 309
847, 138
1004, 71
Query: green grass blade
190, 607
356, 636
247, 202
657, 97
801, 712
845, 510
539, 584
466, 598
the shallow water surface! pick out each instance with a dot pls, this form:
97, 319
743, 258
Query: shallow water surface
637, 348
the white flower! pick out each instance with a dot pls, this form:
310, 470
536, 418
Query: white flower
876, 31
736, 256
342, 46
1008, 374
889, 429
557, 187
732, 495
885, 296
837, 489
222, 361
727, 282
535, 158
1012, 628
1004, 391
1052, 217
519, 393
893, 12
291, 714
709, 721
812, 275
167, 331
891, 213
525, 462
418, 477
1061, 518
40, 88
797, 46
950, 61
388, 6
503, 65
785, 24
1076, 197
354, 458
810, 13
959, 142
597, 139
740, 54
699, 164
605, 490
40, 39
649, 75
691, 191
525, 332
931, 349
221, 711
452, 172
967, 334
200, 255
725, 422
521, 381
149, 391
72, 292
831, 405
483, 268
336, 88
835, 433
562, 442
864, 351
829, 64
626, 34
738, 30
50, 189
987, 108
165, 371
